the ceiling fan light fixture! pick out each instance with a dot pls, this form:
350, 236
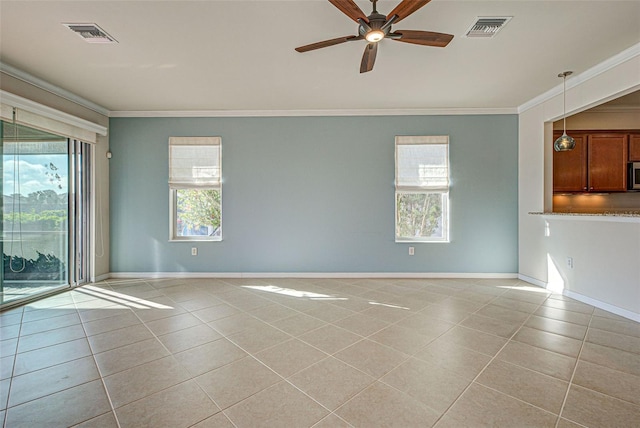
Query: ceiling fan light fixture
374, 36
564, 143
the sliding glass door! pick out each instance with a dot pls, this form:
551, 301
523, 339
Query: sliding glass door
80, 162
44, 244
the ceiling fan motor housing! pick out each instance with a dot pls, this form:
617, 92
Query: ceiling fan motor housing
376, 21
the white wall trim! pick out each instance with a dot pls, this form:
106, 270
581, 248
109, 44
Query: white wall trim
100, 277
615, 109
579, 79
50, 113
56, 90
584, 299
324, 113
533, 281
602, 305
417, 275
371, 275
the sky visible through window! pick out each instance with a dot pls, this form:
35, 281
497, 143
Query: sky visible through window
37, 173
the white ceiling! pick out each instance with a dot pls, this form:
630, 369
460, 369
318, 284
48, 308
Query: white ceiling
239, 55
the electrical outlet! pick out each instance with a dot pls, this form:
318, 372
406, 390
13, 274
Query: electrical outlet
570, 262
412, 251
194, 251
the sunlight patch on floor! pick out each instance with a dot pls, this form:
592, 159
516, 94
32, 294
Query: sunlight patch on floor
293, 293
388, 305
123, 299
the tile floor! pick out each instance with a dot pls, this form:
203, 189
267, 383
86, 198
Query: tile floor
16, 290
317, 353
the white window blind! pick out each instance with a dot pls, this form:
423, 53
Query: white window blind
47, 119
194, 162
422, 189
422, 163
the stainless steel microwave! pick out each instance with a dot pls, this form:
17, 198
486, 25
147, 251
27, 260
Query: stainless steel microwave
633, 176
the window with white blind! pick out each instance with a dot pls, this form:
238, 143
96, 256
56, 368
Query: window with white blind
195, 183
422, 189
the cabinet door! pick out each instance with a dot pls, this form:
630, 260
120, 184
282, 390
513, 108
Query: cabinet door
607, 162
634, 148
570, 168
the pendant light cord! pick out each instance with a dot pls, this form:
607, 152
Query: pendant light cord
564, 103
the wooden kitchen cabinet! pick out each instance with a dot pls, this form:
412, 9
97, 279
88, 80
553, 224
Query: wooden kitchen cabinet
597, 164
570, 168
607, 162
634, 148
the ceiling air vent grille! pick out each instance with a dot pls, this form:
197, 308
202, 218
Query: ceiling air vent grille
487, 27
91, 33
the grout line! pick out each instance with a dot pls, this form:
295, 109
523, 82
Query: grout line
13, 369
255, 357
235, 284
491, 360
573, 374
518, 399
104, 385
412, 356
249, 354
170, 354
45, 368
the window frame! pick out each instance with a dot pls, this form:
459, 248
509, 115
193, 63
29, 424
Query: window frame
443, 190
173, 189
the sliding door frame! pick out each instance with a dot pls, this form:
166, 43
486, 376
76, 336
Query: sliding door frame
79, 211
80, 158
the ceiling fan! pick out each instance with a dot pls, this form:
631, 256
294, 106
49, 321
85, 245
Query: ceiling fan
375, 27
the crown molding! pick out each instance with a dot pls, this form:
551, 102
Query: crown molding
616, 109
56, 90
31, 106
307, 113
579, 79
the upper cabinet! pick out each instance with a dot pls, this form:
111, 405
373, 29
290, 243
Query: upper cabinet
570, 168
597, 164
607, 162
634, 148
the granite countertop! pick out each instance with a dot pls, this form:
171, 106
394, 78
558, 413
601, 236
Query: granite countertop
606, 213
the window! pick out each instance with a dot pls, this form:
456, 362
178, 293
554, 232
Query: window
195, 188
422, 189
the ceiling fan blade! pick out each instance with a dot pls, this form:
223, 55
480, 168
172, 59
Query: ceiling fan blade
327, 43
406, 8
369, 57
425, 38
349, 8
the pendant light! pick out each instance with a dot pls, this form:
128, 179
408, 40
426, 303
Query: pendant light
564, 143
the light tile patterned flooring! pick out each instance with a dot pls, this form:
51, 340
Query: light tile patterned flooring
317, 353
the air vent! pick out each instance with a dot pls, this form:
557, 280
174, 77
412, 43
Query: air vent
487, 26
91, 33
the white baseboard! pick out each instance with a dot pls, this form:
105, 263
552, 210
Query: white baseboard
588, 300
372, 275
602, 305
101, 277
417, 275
533, 281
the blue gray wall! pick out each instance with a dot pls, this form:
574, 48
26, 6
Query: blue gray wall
315, 194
